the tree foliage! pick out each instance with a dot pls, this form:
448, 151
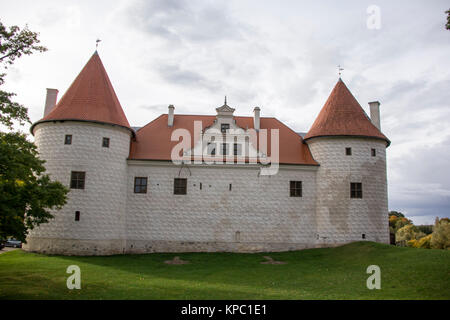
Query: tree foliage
26, 193
440, 238
448, 19
408, 232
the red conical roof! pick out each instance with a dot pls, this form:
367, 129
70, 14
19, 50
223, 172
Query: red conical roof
90, 97
342, 115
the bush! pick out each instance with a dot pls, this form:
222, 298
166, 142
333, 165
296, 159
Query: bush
424, 243
408, 232
440, 238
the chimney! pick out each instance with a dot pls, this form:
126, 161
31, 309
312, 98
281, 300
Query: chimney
170, 117
375, 113
256, 122
50, 100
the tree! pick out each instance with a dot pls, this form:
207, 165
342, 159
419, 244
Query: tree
408, 232
448, 19
26, 193
396, 213
440, 238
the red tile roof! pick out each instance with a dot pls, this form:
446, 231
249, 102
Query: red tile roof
342, 115
90, 97
153, 140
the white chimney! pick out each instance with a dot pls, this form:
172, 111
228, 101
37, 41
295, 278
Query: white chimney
375, 113
50, 100
170, 117
256, 122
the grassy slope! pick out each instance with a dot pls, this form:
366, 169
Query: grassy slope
331, 273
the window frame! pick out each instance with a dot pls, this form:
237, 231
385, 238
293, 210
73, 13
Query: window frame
348, 151
77, 215
295, 188
224, 127
356, 190
209, 151
179, 189
141, 187
69, 141
77, 179
237, 149
373, 152
227, 149
103, 142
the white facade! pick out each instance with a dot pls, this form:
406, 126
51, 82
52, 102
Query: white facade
228, 207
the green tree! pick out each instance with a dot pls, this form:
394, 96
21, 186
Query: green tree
408, 232
440, 238
448, 19
26, 193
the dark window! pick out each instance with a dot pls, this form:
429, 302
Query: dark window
224, 149
355, 190
200, 186
230, 186
348, 151
180, 186
77, 215
363, 235
237, 150
211, 148
77, 179
140, 184
68, 139
105, 142
374, 152
224, 127
296, 188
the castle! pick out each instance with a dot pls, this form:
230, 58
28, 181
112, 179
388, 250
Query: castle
128, 195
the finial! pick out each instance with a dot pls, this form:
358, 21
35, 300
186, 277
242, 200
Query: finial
225, 100
339, 70
96, 43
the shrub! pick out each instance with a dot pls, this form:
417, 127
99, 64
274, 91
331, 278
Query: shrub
440, 238
408, 232
424, 243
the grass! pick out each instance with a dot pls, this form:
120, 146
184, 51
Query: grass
329, 273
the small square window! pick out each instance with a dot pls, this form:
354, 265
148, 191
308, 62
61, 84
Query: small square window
224, 127
77, 179
68, 139
348, 151
77, 215
140, 185
374, 152
296, 188
355, 190
237, 149
180, 186
105, 142
363, 236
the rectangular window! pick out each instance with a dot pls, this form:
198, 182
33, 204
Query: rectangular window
374, 152
296, 188
105, 142
140, 185
348, 151
224, 127
355, 190
180, 186
68, 139
77, 215
237, 150
224, 149
211, 148
77, 179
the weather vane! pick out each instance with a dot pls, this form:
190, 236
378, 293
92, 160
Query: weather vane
339, 70
96, 43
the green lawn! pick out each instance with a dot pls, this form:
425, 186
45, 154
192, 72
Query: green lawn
331, 273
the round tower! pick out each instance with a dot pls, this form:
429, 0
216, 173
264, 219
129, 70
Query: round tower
351, 203
85, 141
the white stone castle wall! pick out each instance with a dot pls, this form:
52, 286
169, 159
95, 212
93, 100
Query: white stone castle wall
102, 202
339, 218
256, 215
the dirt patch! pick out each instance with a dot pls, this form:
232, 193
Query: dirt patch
271, 261
176, 260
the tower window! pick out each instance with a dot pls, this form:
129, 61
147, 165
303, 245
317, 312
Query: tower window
180, 186
68, 139
230, 186
363, 236
105, 142
77, 215
224, 149
355, 190
140, 185
348, 151
77, 179
374, 152
237, 149
224, 127
296, 188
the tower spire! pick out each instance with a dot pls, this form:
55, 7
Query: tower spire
225, 101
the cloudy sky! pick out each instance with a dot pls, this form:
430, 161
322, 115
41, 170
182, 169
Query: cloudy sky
279, 55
